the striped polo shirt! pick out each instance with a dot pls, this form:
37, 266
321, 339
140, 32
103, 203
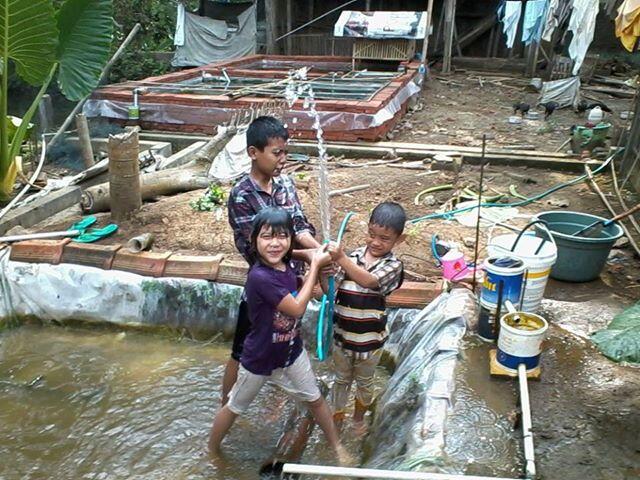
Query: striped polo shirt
360, 318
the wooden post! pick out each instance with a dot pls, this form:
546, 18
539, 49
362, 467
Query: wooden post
289, 43
532, 59
124, 174
84, 138
449, 21
270, 7
367, 7
425, 43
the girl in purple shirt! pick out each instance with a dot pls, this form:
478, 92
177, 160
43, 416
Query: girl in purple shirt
273, 349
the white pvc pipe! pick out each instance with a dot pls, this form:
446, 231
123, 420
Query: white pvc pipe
37, 236
327, 471
527, 434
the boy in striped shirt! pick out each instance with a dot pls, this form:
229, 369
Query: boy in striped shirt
365, 278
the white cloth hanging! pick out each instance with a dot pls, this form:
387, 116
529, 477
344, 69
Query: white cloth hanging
178, 38
583, 25
551, 22
509, 13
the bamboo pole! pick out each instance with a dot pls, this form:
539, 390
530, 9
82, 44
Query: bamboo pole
84, 139
124, 175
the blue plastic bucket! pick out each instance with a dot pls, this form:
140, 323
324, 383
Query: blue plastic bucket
520, 340
507, 271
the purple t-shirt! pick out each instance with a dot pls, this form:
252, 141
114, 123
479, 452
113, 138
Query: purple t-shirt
274, 340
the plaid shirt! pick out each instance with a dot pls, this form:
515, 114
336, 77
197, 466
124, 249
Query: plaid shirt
247, 199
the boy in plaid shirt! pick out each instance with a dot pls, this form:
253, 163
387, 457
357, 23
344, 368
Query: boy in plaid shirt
366, 277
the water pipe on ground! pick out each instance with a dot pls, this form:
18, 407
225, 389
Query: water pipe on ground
521, 203
328, 471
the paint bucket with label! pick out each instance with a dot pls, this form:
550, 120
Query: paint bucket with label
538, 255
520, 340
507, 271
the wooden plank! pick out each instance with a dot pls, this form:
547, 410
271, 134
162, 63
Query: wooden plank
428, 147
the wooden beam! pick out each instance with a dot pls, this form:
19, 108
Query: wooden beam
425, 42
272, 25
289, 40
449, 21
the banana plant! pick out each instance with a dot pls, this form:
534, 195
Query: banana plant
73, 41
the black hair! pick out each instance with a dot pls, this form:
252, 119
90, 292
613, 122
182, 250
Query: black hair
390, 215
264, 128
279, 220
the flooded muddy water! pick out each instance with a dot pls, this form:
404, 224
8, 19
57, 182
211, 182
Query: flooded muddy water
102, 404
91, 404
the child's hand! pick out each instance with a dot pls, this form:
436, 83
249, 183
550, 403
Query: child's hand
321, 257
336, 251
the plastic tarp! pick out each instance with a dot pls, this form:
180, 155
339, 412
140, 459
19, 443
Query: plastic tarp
75, 292
202, 40
583, 26
408, 427
565, 91
210, 116
233, 161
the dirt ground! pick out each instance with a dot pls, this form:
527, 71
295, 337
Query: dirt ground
585, 406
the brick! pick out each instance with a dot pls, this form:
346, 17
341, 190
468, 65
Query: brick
38, 251
90, 254
189, 266
234, 273
150, 264
414, 294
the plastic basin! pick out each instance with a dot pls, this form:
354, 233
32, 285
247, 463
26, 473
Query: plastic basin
580, 259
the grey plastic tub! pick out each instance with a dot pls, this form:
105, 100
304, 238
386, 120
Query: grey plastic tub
580, 259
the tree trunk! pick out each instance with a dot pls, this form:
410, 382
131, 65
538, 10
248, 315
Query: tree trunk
84, 139
124, 175
165, 182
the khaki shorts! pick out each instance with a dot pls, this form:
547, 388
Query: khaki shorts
298, 380
348, 370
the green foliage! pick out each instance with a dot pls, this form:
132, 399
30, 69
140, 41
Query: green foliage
85, 40
158, 21
212, 199
29, 37
31, 41
620, 341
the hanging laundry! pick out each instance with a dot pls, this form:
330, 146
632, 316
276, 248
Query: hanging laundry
582, 25
534, 19
509, 14
178, 38
552, 21
628, 23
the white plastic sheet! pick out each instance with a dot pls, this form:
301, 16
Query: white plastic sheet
75, 292
565, 91
408, 427
233, 161
213, 116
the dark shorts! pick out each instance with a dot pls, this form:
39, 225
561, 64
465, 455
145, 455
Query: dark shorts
243, 326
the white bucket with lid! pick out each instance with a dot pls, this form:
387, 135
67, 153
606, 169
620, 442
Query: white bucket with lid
538, 264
